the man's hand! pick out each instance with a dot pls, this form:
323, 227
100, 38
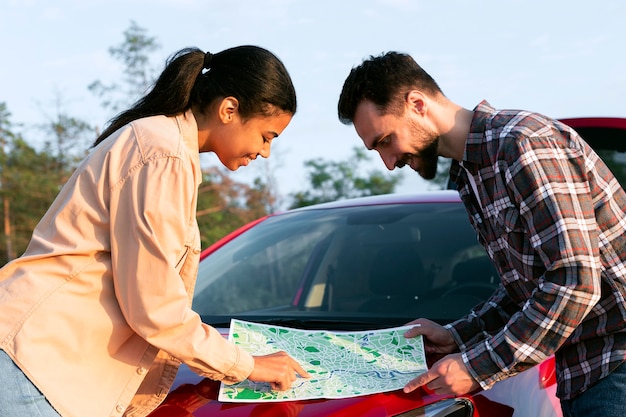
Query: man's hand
279, 369
436, 338
449, 375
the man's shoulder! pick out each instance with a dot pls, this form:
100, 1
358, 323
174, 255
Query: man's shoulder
510, 120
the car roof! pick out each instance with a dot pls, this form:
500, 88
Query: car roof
618, 123
436, 196
600, 132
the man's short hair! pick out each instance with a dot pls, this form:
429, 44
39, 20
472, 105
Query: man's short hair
384, 80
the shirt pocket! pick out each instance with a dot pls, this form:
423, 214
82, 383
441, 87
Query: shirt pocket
513, 248
500, 224
187, 265
505, 227
508, 220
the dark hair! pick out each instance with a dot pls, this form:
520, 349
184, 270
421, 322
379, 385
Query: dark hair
384, 80
253, 75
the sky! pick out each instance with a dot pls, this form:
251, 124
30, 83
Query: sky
562, 58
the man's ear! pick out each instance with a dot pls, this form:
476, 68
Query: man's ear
228, 109
416, 101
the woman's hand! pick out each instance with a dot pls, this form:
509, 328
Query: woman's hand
279, 369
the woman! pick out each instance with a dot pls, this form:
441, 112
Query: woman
96, 315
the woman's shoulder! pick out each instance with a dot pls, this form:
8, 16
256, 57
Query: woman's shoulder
157, 135
155, 127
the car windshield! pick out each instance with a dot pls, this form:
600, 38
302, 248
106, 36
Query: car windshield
382, 261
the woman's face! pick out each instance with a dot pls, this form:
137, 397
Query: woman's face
240, 142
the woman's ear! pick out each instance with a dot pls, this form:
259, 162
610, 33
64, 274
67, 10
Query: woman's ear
227, 109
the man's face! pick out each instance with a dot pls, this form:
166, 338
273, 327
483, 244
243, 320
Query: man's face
399, 139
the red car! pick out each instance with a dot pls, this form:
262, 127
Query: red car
360, 264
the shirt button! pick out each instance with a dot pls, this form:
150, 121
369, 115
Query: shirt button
197, 250
119, 409
141, 370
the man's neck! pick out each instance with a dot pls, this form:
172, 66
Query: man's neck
455, 131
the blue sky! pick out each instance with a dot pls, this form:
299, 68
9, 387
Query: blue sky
563, 58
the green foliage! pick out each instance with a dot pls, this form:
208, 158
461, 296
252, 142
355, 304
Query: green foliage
134, 54
336, 180
6, 126
440, 182
29, 181
615, 161
224, 205
67, 141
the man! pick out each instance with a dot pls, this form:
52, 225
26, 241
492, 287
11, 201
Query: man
549, 213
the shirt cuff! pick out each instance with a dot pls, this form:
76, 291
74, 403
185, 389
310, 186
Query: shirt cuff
481, 363
242, 368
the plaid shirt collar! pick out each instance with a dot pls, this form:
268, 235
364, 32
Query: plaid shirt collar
474, 153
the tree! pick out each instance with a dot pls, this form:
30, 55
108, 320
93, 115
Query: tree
614, 159
67, 140
440, 182
331, 181
6, 136
224, 204
30, 180
134, 53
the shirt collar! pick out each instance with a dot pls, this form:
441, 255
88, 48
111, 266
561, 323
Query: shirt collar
189, 131
475, 143
475, 152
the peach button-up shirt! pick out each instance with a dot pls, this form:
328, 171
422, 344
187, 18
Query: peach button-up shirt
97, 311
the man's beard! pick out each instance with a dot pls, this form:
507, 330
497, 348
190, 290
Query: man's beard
428, 157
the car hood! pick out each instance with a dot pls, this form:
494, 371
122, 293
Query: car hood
195, 396
198, 397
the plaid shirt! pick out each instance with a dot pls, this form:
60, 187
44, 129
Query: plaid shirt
552, 218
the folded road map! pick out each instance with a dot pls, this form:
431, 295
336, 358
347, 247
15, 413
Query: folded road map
341, 364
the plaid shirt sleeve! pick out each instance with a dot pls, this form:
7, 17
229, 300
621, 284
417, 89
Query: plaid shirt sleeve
541, 230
